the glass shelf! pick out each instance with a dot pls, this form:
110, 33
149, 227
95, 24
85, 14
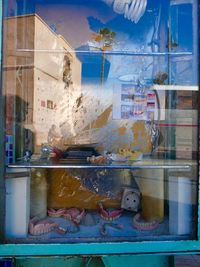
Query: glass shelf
113, 52
144, 164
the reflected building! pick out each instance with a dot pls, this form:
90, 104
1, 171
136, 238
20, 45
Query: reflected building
40, 71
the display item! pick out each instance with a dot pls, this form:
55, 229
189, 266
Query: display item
40, 227
141, 225
131, 199
79, 153
73, 214
109, 215
56, 213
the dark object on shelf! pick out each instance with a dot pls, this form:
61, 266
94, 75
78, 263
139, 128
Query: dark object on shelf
77, 153
27, 156
160, 78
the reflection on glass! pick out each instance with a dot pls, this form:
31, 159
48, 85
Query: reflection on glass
108, 89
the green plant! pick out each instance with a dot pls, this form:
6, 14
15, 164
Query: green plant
103, 41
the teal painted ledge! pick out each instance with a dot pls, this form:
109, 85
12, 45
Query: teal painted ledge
164, 248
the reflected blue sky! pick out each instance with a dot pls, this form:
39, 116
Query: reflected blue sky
118, 24
163, 27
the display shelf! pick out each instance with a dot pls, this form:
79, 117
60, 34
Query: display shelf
114, 52
143, 164
175, 87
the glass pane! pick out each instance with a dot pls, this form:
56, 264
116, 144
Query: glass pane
101, 120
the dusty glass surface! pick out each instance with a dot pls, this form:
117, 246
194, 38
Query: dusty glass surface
101, 120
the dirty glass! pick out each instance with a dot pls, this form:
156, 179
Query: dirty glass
101, 120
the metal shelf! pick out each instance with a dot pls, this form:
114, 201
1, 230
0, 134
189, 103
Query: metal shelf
181, 165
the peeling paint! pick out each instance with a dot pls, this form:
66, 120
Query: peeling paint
141, 138
101, 120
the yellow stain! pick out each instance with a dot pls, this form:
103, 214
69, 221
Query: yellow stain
121, 130
141, 138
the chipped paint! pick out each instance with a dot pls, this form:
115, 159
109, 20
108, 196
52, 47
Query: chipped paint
101, 120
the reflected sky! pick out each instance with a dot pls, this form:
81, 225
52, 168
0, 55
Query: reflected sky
106, 17
165, 26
